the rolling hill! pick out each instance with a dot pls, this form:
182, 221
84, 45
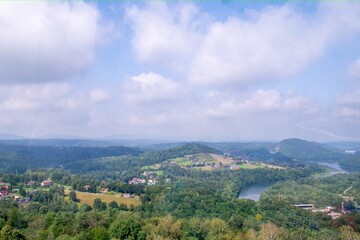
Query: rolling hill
303, 150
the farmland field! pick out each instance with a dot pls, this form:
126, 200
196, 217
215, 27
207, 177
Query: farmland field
182, 161
88, 198
222, 159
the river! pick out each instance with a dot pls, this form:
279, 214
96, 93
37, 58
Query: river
254, 191
334, 168
333, 165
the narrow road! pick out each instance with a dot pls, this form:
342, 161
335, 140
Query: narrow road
347, 189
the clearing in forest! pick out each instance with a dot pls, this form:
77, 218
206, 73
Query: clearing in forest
88, 198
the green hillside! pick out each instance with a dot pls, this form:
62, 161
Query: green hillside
306, 150
18, 158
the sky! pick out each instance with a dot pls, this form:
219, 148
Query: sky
181, 70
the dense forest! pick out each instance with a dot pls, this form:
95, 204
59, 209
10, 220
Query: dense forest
113, 192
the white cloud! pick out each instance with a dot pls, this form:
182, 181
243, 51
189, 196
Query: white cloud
262, 100
149, 87
53, 108
270, 44
168, 35
47, 41
34, 97
184, 56
257, 103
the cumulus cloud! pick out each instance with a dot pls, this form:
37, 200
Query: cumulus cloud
34, 97
36, 108
258, 102
47, 41
202, 77
271, 43
166, 34
150, 87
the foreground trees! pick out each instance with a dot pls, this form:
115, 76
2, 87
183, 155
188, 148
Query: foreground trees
196, 205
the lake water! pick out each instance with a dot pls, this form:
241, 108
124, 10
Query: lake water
335, 166
332, 165
254, 191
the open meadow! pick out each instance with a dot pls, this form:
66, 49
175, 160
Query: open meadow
88, 198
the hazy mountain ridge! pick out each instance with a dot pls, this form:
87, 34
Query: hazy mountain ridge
9, 136
20, 157
23, 153
306, 150
345, 145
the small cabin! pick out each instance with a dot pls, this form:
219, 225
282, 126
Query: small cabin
305, 206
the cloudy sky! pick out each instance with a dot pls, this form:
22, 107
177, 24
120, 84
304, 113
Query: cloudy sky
182, 70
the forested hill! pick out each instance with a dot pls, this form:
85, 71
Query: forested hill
294, 151
56, 142
16, 156
19, 157
306, 150
134, 163
192, 148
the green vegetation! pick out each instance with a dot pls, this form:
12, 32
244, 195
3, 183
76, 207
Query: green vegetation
88, 198
322, 192
138, 194
296, 193
306, 150
182, 161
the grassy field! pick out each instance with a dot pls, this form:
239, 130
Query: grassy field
88, 198
159, 173
182, 161
258, 165
223, 159
152, 167
202, 157
249, 166
205, 157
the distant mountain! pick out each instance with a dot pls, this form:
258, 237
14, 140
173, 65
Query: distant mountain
186, 149
239, 148
192, 148
20, 157
346, 145
78, 142
306, 150
133, 140
162, 146
10, 136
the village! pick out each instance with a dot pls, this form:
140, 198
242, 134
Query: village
23, 196
7, 191
347, 206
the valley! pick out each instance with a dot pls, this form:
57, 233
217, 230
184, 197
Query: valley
240, 186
